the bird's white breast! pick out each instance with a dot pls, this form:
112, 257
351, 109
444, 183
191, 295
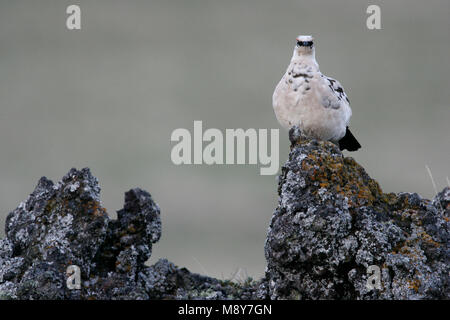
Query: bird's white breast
308, 99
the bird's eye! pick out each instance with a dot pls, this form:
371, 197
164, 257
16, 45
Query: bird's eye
304, 43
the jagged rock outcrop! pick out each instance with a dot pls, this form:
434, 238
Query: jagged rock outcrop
64, 224
332, 222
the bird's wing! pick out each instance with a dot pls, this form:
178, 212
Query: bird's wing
332, 93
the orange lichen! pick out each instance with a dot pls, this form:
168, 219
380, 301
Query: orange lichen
93, 207
344, 175
131, 228
428, 239
414, 284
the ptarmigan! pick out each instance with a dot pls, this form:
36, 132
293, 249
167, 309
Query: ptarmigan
312, 101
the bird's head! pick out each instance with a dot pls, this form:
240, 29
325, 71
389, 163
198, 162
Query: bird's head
304, 46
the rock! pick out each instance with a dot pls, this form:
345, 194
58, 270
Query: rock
333, 221
128, 243
164, 280
64, 224
57, 226
332, 224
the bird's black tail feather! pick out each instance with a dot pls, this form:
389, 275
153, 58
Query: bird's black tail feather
349, 142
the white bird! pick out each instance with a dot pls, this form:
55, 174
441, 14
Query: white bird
317, 104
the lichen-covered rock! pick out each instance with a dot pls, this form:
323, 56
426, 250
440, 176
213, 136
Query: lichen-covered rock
113, 285
129, 239
64, 224
333, 222
164, 280
58, 225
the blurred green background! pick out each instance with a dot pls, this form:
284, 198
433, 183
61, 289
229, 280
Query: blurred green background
109, 96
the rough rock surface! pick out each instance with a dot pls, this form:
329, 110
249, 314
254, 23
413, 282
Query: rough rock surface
64, 224
332, 222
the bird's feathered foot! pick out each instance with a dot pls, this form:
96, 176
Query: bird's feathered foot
349, 142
